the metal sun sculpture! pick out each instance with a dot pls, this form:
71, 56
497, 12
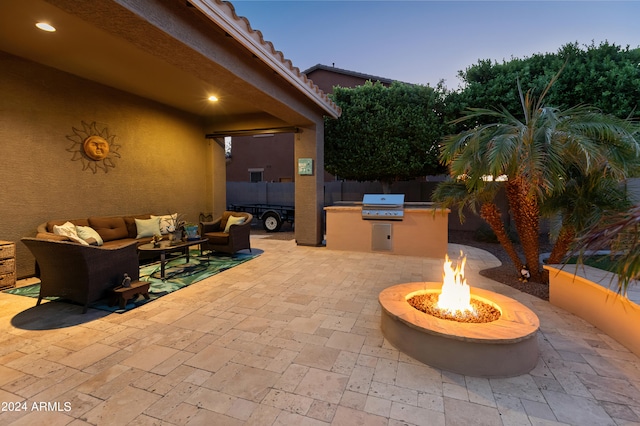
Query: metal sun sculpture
95, 148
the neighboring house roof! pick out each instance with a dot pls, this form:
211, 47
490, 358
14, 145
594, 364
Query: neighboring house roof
373, 78
224, 15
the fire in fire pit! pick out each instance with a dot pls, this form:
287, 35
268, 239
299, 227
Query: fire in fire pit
454, 301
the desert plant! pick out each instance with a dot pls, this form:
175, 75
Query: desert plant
534, 154
619, 234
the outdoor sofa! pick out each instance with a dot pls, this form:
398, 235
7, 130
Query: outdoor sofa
83, 273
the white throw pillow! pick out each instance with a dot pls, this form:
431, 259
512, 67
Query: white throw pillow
233, 220
148, 227
167, 223
69, 230
89, 234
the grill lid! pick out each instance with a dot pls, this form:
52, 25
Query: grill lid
383, 206
383, 200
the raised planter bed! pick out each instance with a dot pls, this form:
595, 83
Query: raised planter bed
591, 294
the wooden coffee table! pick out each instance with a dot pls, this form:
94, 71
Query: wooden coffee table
167, 246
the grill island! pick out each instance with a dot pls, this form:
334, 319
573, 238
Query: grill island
385, 223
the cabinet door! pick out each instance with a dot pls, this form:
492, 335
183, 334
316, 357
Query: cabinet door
381, 236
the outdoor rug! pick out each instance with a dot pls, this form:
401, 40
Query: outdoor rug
178, 274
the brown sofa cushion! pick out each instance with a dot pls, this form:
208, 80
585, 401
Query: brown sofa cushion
217, 238
109, 228
77, 222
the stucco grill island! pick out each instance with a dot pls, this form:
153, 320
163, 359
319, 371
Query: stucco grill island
386, 223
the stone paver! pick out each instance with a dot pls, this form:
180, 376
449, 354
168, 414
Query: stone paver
293, 337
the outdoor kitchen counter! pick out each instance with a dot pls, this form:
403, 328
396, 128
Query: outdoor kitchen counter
422, 232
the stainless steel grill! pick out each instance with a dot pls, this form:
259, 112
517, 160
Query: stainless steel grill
383, 206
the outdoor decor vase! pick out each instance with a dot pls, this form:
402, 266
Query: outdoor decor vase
176, 236
192, 232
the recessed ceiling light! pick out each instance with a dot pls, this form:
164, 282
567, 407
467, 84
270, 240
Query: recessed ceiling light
213, 98
45, 27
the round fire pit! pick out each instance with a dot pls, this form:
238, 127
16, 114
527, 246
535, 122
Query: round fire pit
502, 348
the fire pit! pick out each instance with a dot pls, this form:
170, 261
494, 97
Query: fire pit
504, 346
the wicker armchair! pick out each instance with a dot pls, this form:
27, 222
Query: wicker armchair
237, 238
80, 273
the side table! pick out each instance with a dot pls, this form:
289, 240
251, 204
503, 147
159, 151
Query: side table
7, 264
123, 294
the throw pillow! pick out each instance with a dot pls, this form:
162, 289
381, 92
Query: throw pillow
90, 235
148, 227
68, 230
167, 223
233, 220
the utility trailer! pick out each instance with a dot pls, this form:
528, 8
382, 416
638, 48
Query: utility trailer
272, 216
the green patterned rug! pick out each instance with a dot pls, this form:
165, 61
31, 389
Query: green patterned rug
178, 274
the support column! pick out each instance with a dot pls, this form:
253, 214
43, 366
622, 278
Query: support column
216, 185
309, 197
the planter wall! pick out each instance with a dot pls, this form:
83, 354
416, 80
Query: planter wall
585, 292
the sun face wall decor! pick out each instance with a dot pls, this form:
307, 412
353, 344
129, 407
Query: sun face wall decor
95, 148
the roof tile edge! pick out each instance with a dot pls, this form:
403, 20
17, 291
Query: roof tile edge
242, 24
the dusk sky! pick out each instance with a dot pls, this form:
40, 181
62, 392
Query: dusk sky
426, 41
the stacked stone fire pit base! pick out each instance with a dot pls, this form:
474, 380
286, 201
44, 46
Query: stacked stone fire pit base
502, 348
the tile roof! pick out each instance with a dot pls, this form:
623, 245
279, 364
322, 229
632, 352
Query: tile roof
349, 73
254, 40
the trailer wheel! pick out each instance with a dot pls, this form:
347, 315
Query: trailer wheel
271, 222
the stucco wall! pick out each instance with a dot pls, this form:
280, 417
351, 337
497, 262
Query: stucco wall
590, 293
165, 162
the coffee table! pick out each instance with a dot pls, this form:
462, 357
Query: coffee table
167, 246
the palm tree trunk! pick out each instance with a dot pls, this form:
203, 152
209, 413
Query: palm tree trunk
561, 247
526, 214
490, 213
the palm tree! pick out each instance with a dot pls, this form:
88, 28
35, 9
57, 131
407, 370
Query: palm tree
534, 154
583, 201
454, 193
621, 235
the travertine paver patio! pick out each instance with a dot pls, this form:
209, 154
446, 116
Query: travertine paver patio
293, 338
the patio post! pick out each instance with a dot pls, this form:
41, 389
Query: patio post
309, 185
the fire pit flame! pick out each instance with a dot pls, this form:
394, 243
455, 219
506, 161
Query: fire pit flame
456, 294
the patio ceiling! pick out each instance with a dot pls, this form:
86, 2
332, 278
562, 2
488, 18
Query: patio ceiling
175, 53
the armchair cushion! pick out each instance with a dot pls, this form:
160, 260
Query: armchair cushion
217, 238
233, 220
